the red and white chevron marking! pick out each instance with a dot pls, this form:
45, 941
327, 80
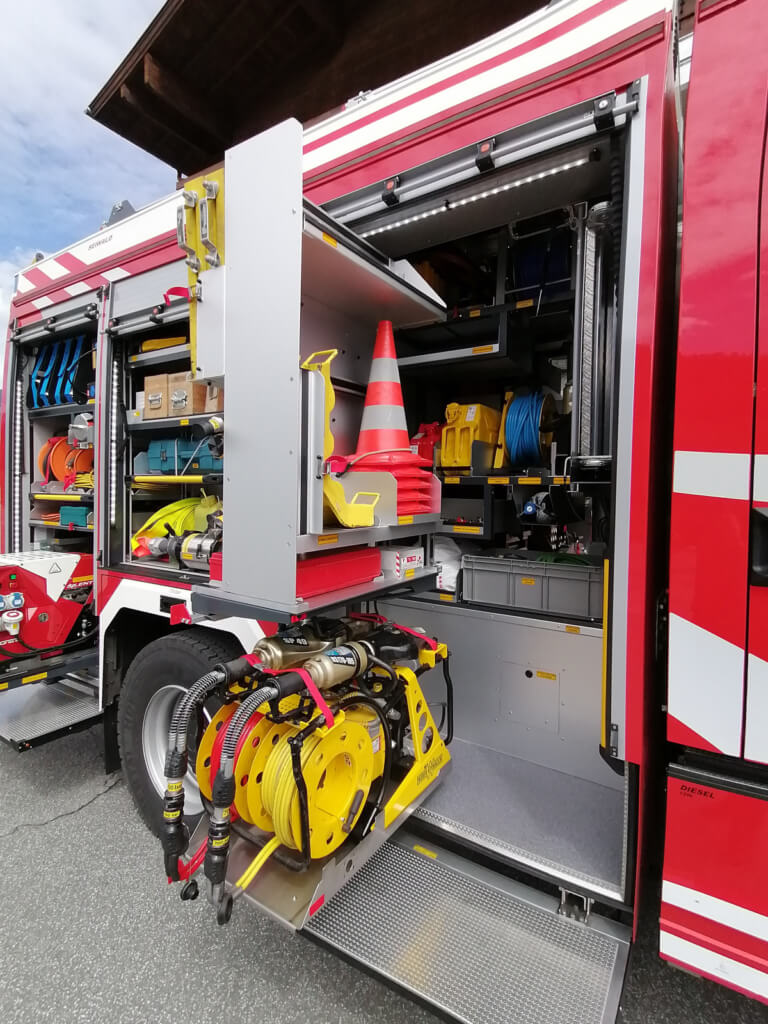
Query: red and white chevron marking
139, 243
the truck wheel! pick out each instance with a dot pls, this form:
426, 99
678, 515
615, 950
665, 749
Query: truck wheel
155, 680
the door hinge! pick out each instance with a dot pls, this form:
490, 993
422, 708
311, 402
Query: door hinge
662, 625
575, 906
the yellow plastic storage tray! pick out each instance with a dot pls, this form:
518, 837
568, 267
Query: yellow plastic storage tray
464, 425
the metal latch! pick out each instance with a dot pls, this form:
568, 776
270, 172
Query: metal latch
575, 906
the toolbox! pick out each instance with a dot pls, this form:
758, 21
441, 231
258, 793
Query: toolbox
177, 456
513, 579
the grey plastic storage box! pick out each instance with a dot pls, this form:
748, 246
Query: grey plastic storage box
512, 580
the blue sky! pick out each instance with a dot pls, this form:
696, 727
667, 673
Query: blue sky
61, 171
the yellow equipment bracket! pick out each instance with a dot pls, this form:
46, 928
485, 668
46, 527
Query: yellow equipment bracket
204, 228
430, 752
357, 512
501, 455
320, 362
430, 658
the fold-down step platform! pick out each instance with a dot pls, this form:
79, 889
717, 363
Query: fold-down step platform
476, 945
35, 714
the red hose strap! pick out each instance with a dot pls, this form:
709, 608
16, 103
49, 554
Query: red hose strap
188, 868
177, 292
314, 693
432, 644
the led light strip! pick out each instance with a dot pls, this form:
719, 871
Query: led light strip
113, 443
456, 203
17, 467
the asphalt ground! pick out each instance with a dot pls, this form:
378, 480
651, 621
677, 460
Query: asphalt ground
91, 933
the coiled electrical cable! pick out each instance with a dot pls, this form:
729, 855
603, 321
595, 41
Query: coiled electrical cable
521, 430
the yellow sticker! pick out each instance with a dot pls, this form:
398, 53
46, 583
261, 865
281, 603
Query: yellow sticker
479, 350
475, 312
35, 678
467, 529
330, 240
573, 629
183, 423
547, 675
446, 597
529, 581
423, 850
174, 787
529, 479
220, 842
498, 479
134, 358
558, 479
409, 573
523, 303
405, 520
81, 579
329, 538
3, 686
170, 815
452, 480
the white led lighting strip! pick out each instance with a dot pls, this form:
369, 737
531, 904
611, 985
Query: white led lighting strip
453, 204
17, 469
113, 443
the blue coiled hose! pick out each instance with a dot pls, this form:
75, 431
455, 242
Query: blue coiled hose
521, 431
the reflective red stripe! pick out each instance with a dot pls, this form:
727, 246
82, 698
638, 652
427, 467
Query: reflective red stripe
384, 392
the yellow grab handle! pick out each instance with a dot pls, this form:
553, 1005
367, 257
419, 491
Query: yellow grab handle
321, 363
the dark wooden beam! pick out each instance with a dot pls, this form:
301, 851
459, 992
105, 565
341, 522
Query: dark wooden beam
140, 102
173, 93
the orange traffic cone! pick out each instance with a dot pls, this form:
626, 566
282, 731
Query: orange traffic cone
383, 444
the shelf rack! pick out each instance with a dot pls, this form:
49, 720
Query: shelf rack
60, 410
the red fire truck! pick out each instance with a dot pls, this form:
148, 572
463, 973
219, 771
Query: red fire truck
600, 405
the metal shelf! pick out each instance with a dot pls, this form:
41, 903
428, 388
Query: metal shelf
179, 354
137, 425
532, 479
60, 410
57, 526
212, 600
346, 538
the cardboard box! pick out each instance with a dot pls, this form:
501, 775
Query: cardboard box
186, 396
214, 397
402, 563
156, 397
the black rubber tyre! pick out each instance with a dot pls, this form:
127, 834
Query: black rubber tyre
179, 658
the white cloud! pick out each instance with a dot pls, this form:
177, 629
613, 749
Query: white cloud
61, 170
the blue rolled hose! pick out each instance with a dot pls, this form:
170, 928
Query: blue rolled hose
521, 430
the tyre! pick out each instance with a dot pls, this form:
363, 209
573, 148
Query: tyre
155, 680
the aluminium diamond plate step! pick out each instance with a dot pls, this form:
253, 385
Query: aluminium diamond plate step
476, 945
34, 714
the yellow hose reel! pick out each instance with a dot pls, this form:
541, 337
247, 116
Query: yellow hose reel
339, 765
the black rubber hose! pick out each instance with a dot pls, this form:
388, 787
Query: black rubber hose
387, 770
448, 699
35, 651
186, 704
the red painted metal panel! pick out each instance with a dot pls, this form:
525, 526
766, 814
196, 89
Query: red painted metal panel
713, 895
724, 142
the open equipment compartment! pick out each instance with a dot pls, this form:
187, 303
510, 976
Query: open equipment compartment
298, 283
526, 256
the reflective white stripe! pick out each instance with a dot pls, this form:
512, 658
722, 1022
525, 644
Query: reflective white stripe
54, 270
566, 46
760, 485
728, 970
712, 474
756, 731
706, 684
23, 285
115, 274
78, 288
42, 302
721, 911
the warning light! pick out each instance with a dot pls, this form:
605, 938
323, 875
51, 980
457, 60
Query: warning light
13, 575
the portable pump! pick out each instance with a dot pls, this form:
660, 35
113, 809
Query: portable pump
322, 731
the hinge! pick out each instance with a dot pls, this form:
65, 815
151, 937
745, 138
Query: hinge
662, 625
575, 906
602, 111
613, 740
